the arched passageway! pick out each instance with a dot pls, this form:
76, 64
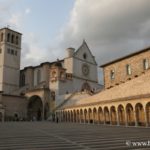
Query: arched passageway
74, 116
95, 116
71, 117
81, 116
86, 87
140, 115
68, 117
78, 116
85, 116
90, 117
121, 115
148, 113
35, 108
100, 115
130, 115
113, 115
106, 115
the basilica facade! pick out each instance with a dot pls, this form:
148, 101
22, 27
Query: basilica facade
37, 91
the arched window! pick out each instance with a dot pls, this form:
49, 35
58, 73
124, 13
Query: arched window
38, 76
8, 37
12, 39
2, 36
17, 40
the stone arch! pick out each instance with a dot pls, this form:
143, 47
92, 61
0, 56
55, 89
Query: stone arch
140, 115
46, 111
90, 116
86, 87
81, 116
113, 115
86, 116
130, 114
71, 116
100, 115
95, 115
78, 116
121, 115
35, 108
106, 115
75, 116
147, 108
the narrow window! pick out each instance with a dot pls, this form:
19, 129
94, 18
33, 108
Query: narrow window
2, 35
23, 80
112, 74
8, 37
38, 76
145, 64
8, 50
0, 51
16, 53
17, 40
128, 69
12, 51
12, 39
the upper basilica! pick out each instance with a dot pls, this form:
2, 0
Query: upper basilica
36, 91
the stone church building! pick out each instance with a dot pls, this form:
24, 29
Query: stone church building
38, 91
68, 89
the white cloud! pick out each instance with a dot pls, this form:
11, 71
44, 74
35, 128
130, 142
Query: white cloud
27, 11
15, 20
112, 28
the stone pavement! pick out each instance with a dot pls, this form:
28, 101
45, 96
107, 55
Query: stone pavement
69, 136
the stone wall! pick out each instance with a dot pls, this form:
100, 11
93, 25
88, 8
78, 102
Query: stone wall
120, 70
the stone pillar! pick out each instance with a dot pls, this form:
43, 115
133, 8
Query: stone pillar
84, 118
135, 118
73, 116
126, 120
146, 121
110, 118
117, 117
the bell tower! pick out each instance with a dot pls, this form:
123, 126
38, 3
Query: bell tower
10, 50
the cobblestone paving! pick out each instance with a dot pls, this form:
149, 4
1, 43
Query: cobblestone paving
69, 136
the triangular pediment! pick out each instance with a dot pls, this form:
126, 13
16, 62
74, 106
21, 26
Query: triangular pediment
84, 53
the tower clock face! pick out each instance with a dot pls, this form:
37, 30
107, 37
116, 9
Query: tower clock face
85, 69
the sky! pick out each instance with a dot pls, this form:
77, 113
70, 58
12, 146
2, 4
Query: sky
111, 28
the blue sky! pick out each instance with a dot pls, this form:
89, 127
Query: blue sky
111, 28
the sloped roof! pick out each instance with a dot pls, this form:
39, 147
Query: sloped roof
82, 45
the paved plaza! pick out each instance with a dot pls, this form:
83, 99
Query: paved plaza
69, 136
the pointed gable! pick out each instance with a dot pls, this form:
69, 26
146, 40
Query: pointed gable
84, 53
